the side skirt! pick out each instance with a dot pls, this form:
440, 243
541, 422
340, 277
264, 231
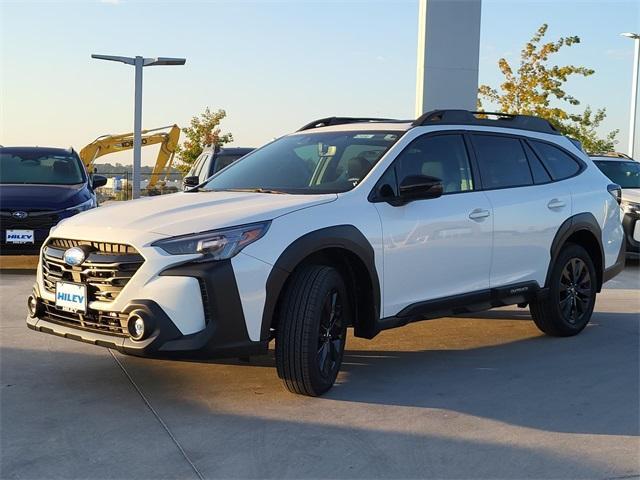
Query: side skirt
518, 293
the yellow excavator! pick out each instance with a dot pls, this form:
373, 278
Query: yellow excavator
167, 137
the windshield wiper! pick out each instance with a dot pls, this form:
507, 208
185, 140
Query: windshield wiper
251, 190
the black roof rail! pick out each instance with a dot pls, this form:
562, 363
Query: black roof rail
325, 122
466, 117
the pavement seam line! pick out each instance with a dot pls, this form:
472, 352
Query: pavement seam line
155, 414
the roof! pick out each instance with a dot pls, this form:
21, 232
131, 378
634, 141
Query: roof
400, 125
451, 117
36, 150
235, 150
229, 150
611, 157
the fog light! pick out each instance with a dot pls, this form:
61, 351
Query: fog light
33, 306
137, 327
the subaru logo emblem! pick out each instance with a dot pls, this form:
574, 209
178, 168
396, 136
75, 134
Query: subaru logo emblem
20, 215
74, 256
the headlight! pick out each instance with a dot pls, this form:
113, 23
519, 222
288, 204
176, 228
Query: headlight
631, 207
215, 244
89, 204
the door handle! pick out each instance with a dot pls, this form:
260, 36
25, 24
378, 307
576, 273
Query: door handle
556, 204
479, 214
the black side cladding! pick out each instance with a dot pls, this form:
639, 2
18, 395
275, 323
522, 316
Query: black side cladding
346, 237
580, 222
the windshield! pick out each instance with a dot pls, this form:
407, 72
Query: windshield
625, 174
35, 168
331, 162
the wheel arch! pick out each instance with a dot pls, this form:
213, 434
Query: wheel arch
345, 248
581, 229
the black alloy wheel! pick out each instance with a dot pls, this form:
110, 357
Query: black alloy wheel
565, 306
575, 290
331, 336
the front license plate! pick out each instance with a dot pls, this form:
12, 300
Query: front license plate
636, 231
71, 297
19, 236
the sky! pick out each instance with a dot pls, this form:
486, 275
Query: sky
272, 65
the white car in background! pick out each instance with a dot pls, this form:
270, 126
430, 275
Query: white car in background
625, 171
348, 222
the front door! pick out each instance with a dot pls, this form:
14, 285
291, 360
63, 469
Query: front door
437, 247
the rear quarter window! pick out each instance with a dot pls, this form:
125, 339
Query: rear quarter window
540, 174
558, 163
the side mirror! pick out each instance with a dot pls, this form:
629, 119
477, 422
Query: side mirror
190, 182
98, 181
420, 187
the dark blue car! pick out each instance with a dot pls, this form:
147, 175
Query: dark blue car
39, 186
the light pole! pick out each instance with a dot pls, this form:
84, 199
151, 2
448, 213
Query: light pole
139, 62
634, 89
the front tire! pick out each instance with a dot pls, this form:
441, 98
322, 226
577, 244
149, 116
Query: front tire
567, 309
311, 330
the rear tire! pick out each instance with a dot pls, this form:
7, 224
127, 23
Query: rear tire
311, 330
567, 308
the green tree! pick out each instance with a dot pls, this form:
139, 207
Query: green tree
537, 88
204, 130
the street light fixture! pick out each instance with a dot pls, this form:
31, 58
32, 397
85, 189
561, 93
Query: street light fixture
634, 89
139, 62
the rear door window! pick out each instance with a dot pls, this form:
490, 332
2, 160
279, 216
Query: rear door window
502, 161
559, 164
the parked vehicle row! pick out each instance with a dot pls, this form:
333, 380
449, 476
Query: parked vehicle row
362, 223
42, 186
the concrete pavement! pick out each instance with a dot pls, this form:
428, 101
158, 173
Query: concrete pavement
476, 397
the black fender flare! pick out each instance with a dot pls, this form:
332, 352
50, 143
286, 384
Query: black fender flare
347, 237
581, 221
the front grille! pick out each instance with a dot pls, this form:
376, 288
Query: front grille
34, 221
97, 321
102, 247
105, 272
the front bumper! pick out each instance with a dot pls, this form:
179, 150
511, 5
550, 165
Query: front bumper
224, 333
631, 225
39, 236
40, 222
165, 339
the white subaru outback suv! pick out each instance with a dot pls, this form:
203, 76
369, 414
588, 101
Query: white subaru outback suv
362, 223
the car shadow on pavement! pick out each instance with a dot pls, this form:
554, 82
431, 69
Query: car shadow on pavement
574, 385
68, 414
495, 369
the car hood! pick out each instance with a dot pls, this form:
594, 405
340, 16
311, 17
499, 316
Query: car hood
42, 197
631, 195
187, 212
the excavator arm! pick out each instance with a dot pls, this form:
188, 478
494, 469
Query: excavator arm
108, 144
165, 155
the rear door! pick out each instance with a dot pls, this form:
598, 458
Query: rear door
528, 207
